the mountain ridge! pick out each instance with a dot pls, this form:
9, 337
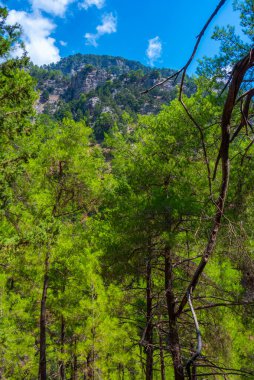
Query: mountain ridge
97, 60
101, 88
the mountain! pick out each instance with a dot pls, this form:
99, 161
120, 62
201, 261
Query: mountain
102, 89
117, 65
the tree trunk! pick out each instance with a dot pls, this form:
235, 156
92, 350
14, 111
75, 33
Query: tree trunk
89, 365
149, 323
75, 363
61, 364
194, 372
174, 343
43, 360
161, 356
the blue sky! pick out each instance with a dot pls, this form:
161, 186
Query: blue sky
159, 33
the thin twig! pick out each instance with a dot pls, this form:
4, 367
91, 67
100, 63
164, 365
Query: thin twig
221, 304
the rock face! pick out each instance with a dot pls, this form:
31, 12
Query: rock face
102, 88
86, 80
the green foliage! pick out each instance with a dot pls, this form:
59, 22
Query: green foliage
117, 65
92, 219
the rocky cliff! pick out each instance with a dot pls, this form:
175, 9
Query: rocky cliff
88, 86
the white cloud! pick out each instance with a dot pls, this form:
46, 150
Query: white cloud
59, 7
154, 50
108, 26
54, 7
63, 43
89, 3
91, 39
36, 35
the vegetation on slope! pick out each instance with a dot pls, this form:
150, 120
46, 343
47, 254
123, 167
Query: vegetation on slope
99, 243
102, 89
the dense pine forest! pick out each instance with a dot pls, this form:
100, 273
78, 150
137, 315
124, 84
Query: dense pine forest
127, 242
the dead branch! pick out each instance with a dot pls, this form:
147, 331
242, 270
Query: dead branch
185, 67
239, 72
245, 112
199, 339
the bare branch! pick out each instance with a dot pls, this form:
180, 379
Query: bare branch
251, 91
175, 75
199, 345
245, 111
185, 67
222, 374
186, 260
238, 75
221, 368
202, 143
222, 304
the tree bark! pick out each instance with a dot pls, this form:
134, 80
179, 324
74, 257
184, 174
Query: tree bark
161, 356
89, 365
174, 342
194, 373
43, 321
149, 323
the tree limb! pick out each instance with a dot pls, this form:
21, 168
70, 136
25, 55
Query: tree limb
239, 72
185, 67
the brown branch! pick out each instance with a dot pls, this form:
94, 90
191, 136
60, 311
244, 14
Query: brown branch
224, 368
245, 111
185, 67
202, 142
175, 75
186, 260
245, 94
238, 75
216, 166
226, 85
246, 151
221, 3
221, 304
221, 374
199, 37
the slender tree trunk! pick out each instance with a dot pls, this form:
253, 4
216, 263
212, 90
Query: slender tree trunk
43, 321
142, 364
75, 367
61, 364
194, 372
161, 356
89, 365
93, 355
149, 323
174, 343
75, 363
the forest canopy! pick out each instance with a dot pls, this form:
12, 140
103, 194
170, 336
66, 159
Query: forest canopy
127, 243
